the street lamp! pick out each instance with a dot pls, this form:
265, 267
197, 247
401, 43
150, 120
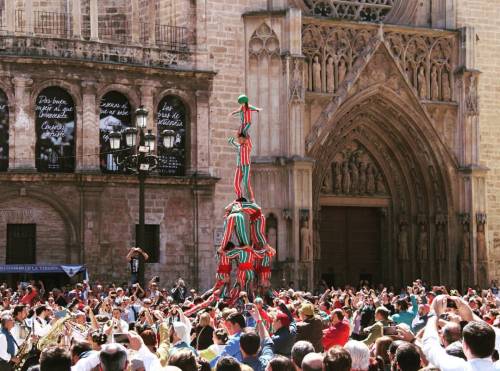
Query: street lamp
138, 158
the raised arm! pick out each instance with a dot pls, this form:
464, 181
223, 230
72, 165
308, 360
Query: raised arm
232, 141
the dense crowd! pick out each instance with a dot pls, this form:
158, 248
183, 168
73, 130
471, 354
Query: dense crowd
96, 327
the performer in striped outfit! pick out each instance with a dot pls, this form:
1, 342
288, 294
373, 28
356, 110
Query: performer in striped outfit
242, 174
223, 275
245, 112
263, 265
234, 222
258, 230
245, 257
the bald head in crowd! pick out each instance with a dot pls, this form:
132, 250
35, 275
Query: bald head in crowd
312, 362
299, 350
451, 332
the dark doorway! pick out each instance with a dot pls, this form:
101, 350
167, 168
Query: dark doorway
21, 244
350, 245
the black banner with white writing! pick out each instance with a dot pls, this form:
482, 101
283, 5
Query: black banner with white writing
116, 114
55, 131
171, 115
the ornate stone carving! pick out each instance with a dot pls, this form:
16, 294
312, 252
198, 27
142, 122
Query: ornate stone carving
422, 239
466, 247
440, 239
331, 53
355, 173
425, 60
296, 81
471, 97
482, 253
403, 246
264, 42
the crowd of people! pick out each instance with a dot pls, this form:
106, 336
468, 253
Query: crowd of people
96, 327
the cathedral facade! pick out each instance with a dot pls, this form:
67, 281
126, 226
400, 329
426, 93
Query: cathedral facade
375, 154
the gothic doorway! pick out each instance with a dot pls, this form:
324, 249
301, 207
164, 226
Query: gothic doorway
350, 245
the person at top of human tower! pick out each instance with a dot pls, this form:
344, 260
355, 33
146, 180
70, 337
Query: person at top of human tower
242, 173
245, 112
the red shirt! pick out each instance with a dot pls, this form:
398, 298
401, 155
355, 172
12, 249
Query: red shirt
29, 297
336, 335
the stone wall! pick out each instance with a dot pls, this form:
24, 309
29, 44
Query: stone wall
483, 15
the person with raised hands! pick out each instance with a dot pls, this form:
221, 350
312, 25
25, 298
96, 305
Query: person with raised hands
478, 338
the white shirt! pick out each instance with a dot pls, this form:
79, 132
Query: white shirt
437, 356
40, 327
3, 348
150, 360
87, 363
17, 331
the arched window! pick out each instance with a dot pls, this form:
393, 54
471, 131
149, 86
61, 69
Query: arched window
4, 132
115, 115
171, 115
55, 130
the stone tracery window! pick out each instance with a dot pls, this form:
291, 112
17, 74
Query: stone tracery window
4, 132
355, 10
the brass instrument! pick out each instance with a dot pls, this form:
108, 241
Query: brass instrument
23, 352
58, 330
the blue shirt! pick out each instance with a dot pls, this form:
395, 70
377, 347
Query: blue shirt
232, 348
407, 316
259, 363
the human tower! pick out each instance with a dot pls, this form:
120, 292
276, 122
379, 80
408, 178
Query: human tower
250, 251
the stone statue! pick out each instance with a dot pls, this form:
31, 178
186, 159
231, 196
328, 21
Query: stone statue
316, 68
379, 186
440, 242
404, 253
327, 185
305, 242
422, 84
346, 178
370, 179
446, 89
337, 187
434, 84
342, 71
481, 243
354, 176
330, 79
466, 253
423, 243
362, 178
471, 100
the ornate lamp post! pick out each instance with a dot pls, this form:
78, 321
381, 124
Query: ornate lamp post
138, 158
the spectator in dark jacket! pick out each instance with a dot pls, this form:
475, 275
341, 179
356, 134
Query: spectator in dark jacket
179, 292
310, 327
285, 331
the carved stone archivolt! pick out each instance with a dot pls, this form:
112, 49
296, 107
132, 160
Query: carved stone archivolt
264, 42
354, 172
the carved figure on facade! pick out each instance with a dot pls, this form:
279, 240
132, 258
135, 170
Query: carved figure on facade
446, 88
466, 236
440, 239
305, 241
330, 76
316, 69
422, 84
403, 246
471, 98
482, 254
355, 173
296, 82
422, 240
327, 185
342, 70
434, 84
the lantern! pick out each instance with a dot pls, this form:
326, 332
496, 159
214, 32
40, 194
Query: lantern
168, 138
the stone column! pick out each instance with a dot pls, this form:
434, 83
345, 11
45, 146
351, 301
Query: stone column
10, 16
89, 132
202, 56
76, 15
22, 132
28, 16
94, 21
152, 23
204, 243
135, 22
199, 135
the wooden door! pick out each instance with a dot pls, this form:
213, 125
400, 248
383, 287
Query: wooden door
350, 245
21, 244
